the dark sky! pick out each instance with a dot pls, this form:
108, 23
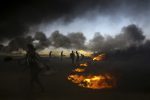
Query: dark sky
16, 18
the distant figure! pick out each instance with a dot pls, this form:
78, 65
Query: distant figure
77, 56
32, 59
82, 57
50, 54
72, 56
62, 55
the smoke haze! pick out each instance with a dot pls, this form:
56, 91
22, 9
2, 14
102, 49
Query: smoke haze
86, 16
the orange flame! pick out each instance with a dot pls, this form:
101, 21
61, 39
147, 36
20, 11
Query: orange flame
84, 65
93, 81
79, 70
99, 57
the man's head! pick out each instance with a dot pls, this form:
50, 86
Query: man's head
30, 47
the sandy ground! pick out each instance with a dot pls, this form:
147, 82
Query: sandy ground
132, 84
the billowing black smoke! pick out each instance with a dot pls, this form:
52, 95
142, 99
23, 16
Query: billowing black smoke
17, 17
72, 40
17, 43
43, 41
59, 40
77, 40
131, 35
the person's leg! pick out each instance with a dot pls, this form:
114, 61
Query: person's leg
37, 80
32, 82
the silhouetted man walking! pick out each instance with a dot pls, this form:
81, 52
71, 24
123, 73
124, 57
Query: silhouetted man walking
62, 55
72, 56
50, 54
77, 56
32, 59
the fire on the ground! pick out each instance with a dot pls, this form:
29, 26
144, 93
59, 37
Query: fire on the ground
93, 81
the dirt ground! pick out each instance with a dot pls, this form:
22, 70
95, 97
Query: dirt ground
133, 82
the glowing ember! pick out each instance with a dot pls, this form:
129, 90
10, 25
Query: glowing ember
93, 81
84, 65
99, 57
78, 70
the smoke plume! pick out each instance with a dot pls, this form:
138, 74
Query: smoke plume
131, 35
77, 40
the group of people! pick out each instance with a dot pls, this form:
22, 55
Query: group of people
74, 56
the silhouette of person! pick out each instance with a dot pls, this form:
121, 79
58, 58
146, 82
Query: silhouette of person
72, 56
62, 55
82, 57
32, 59
50, 54
77, 56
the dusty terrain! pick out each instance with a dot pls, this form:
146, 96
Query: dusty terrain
133, 82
